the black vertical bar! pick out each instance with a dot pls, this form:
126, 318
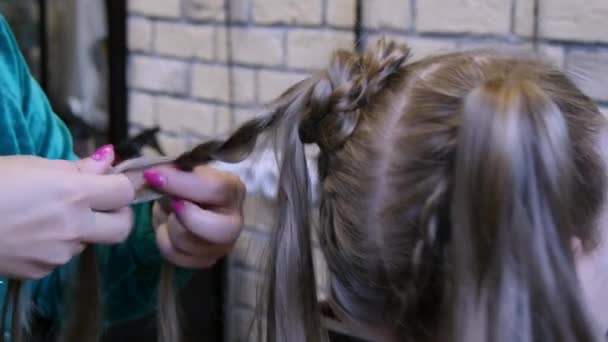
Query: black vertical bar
358, 28
44, 52
536, 23
117, 59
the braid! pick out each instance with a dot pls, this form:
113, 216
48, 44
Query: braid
347, 85
240, 144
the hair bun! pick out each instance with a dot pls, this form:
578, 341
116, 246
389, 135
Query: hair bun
346, 85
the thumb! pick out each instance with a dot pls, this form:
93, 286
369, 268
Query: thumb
99, 162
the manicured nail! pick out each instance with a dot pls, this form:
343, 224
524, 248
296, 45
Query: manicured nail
178, 206
102, 152
154, 179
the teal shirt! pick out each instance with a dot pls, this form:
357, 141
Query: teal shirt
28, 126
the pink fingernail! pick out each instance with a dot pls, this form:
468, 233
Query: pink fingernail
102, 152
178, 206
154, 179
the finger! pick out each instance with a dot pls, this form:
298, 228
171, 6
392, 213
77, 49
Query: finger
205, 185
99, 162
214, 227
44, 163
187, 243
108, 228
174, 256
106, 192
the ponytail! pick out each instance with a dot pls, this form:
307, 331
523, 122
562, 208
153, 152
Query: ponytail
511, 220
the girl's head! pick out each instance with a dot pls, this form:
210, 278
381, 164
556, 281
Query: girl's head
451, 189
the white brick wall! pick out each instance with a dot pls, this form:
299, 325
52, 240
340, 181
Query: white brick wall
524, 19
178, 77
393, 14
139, 34
253, 46
184, 41
159, 75
464, 16
311, 49
341, 13
211, 10
142, 109
573, 20
272, 83
156, 8
307, 12
240, 79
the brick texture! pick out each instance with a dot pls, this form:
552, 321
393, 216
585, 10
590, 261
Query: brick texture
464, 16
184, 41
213, 82
179, 79
142, 109
158, 74
252, 46
394, 14
177, 115
139, 34
524, 17
341, 13
272, 83
156, 8
288, 11
571, 20
311, 49
205, 10
229, 117
240, 10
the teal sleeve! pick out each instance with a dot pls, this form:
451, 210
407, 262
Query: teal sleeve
130, 270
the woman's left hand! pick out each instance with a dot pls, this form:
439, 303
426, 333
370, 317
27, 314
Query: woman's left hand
205, 218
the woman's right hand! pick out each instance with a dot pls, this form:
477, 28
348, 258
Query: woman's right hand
50, 209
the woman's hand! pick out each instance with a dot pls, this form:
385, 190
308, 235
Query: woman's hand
51, 208
206, 217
